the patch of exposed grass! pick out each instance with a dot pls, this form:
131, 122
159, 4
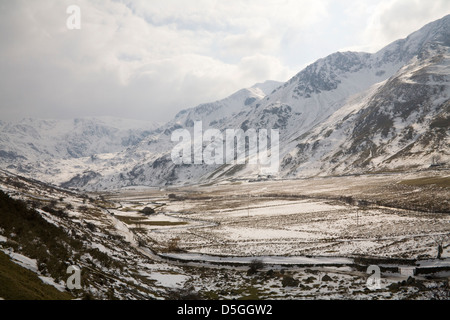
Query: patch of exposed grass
438, 181
142, 221
164, 223
131, 220
250, 293
38, 239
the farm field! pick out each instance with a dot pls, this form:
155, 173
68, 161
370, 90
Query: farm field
380, 215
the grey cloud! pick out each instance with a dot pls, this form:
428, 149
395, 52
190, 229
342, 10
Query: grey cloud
119, 64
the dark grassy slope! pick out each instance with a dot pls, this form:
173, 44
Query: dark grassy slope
18, 283
30, 234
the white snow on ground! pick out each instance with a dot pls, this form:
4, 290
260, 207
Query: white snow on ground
167, 279
284, 233
263, 234
179, 206
3, 239
102, 248
259, 226
30, 264
51, 282
122, 228
282, 208
48, 217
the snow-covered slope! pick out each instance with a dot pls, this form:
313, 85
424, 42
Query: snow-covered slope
31, 145
401, 123
149, 162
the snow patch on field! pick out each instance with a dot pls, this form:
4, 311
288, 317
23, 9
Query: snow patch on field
168, 280
27, 263
51, 282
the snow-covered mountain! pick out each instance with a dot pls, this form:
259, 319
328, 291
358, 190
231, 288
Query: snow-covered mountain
149, 162
34, 145
401, 123
349, 112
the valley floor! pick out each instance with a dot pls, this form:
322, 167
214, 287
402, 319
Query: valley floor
296, 239
391, 215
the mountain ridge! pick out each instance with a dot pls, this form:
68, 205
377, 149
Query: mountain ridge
347, 112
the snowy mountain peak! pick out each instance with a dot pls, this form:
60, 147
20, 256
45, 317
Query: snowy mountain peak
347, 112
48, 139
324, 74
402, 50
214, 113
267, 87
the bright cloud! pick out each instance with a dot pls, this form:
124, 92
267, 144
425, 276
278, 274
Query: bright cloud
150, 59
396, 19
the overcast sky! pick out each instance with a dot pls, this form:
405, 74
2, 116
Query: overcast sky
148, 59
